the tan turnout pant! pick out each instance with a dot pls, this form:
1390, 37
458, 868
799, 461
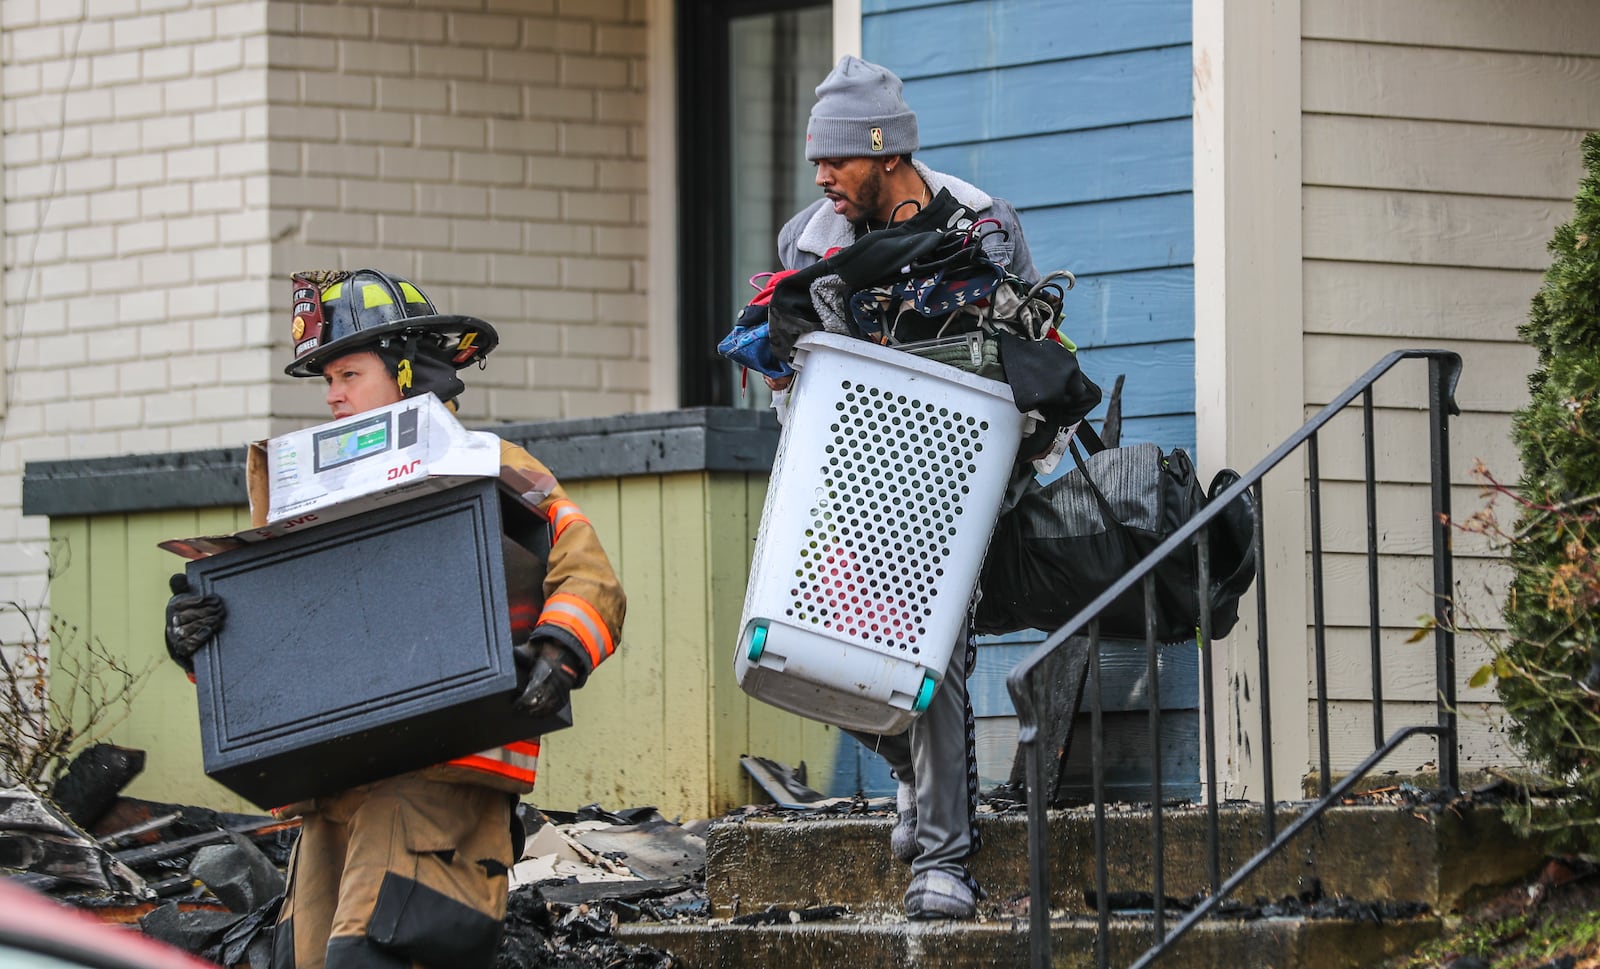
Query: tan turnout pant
405, 873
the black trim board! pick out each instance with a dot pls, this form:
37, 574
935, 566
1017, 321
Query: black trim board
705, 203
135, 482
694, 439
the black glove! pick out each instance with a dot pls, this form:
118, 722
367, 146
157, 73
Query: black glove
552, 672
192, 619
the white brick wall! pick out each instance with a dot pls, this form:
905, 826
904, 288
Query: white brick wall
168, 162
127, 238
485, 148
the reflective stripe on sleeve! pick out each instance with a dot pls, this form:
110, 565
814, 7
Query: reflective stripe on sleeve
581, 620
518, 761
564, 512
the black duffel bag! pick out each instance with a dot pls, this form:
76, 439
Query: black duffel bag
1064, 543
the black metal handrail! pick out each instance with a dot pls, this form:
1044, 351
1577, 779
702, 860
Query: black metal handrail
1030, 682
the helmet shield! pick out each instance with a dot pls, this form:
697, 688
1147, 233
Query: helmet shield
336, 313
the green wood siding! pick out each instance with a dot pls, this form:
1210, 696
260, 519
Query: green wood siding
112, 583
663, 722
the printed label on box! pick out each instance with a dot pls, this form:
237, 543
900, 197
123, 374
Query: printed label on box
337, 469
370, 458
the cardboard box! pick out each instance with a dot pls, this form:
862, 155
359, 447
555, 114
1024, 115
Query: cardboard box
371, 645
348, 466
344, 467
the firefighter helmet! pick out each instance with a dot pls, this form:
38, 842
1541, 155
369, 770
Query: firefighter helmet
336, 313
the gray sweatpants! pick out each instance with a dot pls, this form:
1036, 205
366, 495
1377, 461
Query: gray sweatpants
935, 757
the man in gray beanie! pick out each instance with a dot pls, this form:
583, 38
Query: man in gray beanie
861, 136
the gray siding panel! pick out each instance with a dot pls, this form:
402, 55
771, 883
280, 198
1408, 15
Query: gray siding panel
1441, 148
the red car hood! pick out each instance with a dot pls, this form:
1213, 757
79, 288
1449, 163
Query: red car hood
34, 923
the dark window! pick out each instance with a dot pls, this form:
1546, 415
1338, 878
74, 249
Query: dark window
747, 72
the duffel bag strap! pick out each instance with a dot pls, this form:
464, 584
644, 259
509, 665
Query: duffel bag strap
1099, 496
1090, 438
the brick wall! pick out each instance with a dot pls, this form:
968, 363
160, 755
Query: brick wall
493, 151
168, 162
135, 223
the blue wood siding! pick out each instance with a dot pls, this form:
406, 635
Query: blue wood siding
1079, 113
1125, 704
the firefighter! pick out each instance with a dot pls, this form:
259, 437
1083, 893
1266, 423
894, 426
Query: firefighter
412, 870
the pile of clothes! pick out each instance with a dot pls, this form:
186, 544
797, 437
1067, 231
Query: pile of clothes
928, 285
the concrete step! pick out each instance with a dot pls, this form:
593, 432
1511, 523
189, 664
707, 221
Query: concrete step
1442, 859
1382, 853
1260, 944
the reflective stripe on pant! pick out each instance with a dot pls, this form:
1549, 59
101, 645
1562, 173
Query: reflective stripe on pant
404, 872
934, 755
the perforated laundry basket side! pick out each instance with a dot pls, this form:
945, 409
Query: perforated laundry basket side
885, 489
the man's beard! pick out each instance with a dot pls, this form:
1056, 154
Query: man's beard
869, 197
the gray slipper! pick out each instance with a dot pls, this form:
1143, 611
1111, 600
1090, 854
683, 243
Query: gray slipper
938, 894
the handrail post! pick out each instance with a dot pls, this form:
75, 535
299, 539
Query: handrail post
1097, 763
1208, 720
1153, 706
1319, 622
1444, 637
1038, 838
1374, 629
1264, 674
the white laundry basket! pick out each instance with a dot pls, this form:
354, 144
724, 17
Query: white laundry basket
885, 489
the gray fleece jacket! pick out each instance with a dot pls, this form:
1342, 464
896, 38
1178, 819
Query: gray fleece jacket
807, 237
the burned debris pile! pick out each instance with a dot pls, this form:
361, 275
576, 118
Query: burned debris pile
211, 883
204, 881
583, 873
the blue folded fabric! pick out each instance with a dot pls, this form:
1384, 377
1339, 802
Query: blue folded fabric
751, 347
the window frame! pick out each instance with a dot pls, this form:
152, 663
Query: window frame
705, 206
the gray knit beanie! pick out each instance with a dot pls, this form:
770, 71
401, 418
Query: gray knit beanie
859, 112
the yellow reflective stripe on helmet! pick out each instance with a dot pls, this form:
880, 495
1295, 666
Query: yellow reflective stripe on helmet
582, 621
373, 294
332, 292
411, 293
563, 512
